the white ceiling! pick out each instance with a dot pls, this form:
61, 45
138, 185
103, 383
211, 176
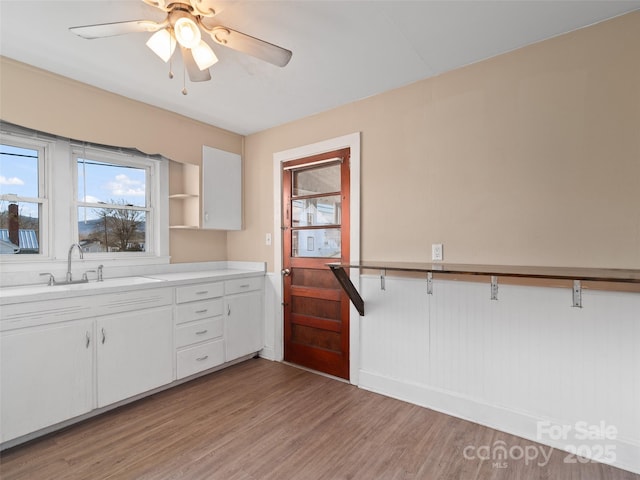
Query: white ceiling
342, 50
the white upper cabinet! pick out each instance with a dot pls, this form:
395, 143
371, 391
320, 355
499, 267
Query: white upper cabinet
221, 189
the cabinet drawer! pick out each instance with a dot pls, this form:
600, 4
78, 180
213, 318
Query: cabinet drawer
201, 291
199, 331
189, 312
201, 357
240, 285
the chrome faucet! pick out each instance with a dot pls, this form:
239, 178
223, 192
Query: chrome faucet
69, 276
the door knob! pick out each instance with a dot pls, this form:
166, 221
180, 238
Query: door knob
286, 272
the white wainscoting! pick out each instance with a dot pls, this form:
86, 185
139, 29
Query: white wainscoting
528, 357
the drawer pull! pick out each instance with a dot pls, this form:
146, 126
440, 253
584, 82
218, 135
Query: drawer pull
200, 312
245, 285
202, 332
202, 292
202, 359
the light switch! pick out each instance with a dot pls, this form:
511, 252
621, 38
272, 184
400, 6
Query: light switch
267, 239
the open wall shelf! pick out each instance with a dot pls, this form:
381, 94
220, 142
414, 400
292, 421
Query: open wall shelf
576, 275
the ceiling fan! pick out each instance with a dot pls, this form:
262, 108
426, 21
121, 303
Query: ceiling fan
185, 22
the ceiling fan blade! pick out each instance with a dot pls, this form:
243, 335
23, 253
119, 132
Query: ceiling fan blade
118, 28
195, 74
250, 45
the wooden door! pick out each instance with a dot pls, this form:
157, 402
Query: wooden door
315, 233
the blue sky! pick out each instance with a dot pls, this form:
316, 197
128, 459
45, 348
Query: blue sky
105, 183
96, 182
18, 171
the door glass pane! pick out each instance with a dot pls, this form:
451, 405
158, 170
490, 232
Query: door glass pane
112, 229
324, 179
317, 242
19, 227
317, 211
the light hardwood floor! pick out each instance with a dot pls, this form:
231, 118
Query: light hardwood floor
265, 420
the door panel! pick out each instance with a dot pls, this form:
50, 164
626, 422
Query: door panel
316, 232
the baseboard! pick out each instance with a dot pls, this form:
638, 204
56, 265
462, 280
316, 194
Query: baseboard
268, 353
619, 452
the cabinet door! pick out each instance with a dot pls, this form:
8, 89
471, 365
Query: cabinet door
243, 325
221, 189
46, 376
135, 353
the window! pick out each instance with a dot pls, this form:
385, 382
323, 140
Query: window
55, 192
113, 205
22, 198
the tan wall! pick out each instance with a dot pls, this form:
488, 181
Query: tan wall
532, 157
529, 158
44, 101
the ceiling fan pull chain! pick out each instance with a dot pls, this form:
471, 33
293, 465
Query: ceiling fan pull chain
170, 56
184, 80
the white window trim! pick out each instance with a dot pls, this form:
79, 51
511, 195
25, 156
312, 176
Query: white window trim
59, 218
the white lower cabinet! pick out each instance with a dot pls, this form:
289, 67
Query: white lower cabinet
46, 376
62, 358
56, 355
199, 328
196, 358
134, 353
243, 323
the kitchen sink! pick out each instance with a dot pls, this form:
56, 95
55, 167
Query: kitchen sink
92, 285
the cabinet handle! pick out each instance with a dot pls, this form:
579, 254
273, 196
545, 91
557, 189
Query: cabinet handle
202, 359
203, 292
88, 341
202, 332
104, 336
228, 310
200, 312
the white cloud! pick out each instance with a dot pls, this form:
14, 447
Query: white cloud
10, 181
123, 186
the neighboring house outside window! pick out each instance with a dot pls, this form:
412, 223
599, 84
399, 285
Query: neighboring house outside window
27, 242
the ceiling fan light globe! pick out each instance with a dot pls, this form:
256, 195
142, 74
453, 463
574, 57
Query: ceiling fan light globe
163, 44
203, 55
187, 32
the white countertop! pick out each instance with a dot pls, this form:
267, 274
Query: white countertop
43, 292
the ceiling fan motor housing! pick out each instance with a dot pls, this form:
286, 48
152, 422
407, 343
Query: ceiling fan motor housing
192, 6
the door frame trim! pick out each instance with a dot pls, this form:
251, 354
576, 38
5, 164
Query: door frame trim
351, 141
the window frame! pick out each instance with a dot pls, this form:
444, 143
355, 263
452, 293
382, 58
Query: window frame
43, 148
125, 160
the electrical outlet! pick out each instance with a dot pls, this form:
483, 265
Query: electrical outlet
437, 254
267, 239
